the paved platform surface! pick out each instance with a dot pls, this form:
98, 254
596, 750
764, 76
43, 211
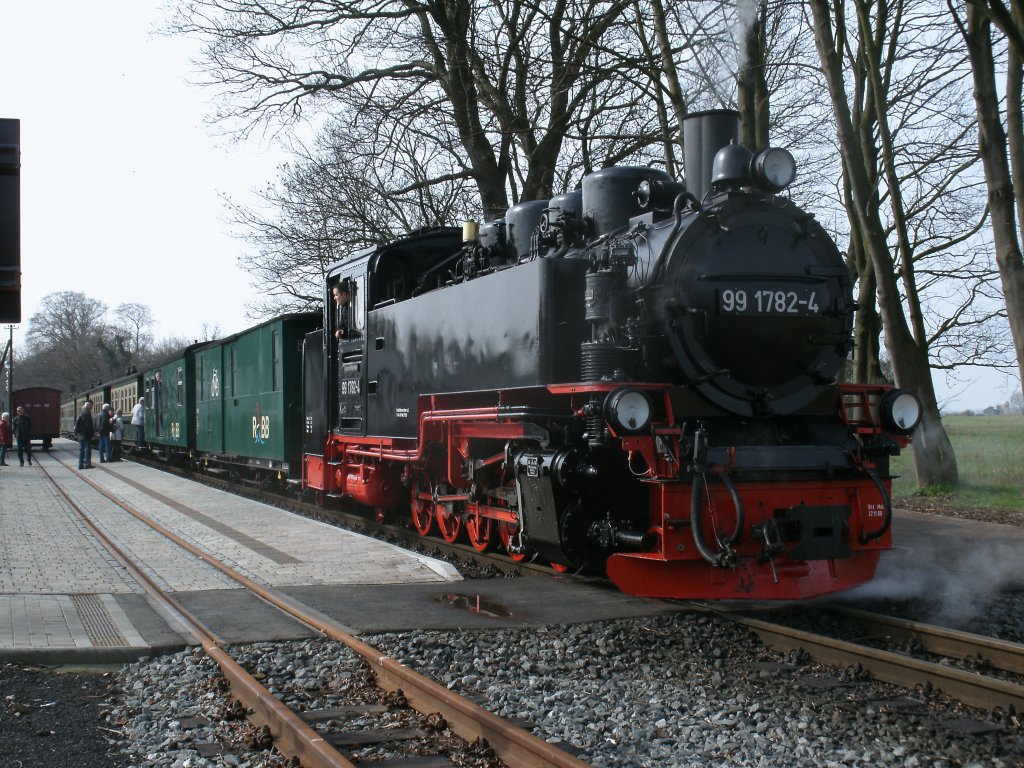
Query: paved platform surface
65, 599
62, 593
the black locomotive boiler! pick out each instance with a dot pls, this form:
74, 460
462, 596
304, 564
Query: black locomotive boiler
638, 377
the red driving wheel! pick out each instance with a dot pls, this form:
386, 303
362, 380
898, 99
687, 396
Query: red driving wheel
480, 531
422, 508
508, 533
448, 521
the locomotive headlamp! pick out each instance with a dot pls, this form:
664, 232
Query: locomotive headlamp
900, 411
628, 410
773, 169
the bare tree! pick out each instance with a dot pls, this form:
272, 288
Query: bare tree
498, 87
751, 78
133, 321
66, 320
1002, 151
335, 198
165, 349
871, 161
69, 328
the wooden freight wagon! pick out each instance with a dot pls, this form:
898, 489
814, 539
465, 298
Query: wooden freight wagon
43, 406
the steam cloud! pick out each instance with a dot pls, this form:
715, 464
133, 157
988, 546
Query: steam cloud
959, 577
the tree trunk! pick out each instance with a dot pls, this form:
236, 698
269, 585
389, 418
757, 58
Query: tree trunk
867, 329
753, 87
866, 333
934, 460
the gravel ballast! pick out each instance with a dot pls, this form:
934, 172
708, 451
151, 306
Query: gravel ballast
688, 689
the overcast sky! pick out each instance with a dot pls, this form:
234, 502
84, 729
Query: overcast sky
121, 177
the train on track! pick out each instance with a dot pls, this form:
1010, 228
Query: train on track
636, 378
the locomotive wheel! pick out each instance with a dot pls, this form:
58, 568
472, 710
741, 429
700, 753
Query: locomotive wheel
480, 531
448, 521
422, 510
508, 533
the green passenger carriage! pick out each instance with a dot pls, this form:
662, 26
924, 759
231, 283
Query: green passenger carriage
124, 394
170, 405
233, 405
100, 394
69, 409
248, 394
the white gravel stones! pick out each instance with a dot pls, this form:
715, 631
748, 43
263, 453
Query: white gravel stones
678, 690
686, 690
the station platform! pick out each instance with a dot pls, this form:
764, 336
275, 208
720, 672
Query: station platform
64, 599
61, 591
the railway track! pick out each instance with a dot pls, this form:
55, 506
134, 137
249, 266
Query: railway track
291, 731
969, 686
973, 687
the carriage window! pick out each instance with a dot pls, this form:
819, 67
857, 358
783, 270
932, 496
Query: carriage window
234, 369
276, 367
181, 388
202, 378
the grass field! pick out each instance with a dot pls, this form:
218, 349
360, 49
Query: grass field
990, 456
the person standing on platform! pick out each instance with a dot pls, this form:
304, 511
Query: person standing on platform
5, 437
84, 431
139, 421
116, 435
23, 434
103, 428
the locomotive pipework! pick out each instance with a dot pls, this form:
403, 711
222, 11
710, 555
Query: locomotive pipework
726, 554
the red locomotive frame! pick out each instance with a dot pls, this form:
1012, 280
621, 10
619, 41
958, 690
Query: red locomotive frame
435, 473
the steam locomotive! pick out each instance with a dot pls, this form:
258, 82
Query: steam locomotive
636, 378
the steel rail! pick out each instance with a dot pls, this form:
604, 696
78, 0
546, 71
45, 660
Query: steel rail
968, 687
515, 746
291, 735
943, 641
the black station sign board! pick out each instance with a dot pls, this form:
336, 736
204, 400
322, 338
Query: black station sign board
10, 221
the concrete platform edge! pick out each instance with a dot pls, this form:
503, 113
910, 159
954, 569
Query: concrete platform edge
84, 656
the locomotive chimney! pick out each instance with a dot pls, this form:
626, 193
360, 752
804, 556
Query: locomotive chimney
704, 133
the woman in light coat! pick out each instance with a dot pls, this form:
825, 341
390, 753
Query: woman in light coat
116, 435
139, 422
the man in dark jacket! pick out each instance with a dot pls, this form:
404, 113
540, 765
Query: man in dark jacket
23, 435
84, 430
103, 430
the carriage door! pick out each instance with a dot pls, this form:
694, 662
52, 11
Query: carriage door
351, 356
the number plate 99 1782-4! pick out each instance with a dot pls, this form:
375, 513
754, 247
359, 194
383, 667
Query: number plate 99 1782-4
780, 300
